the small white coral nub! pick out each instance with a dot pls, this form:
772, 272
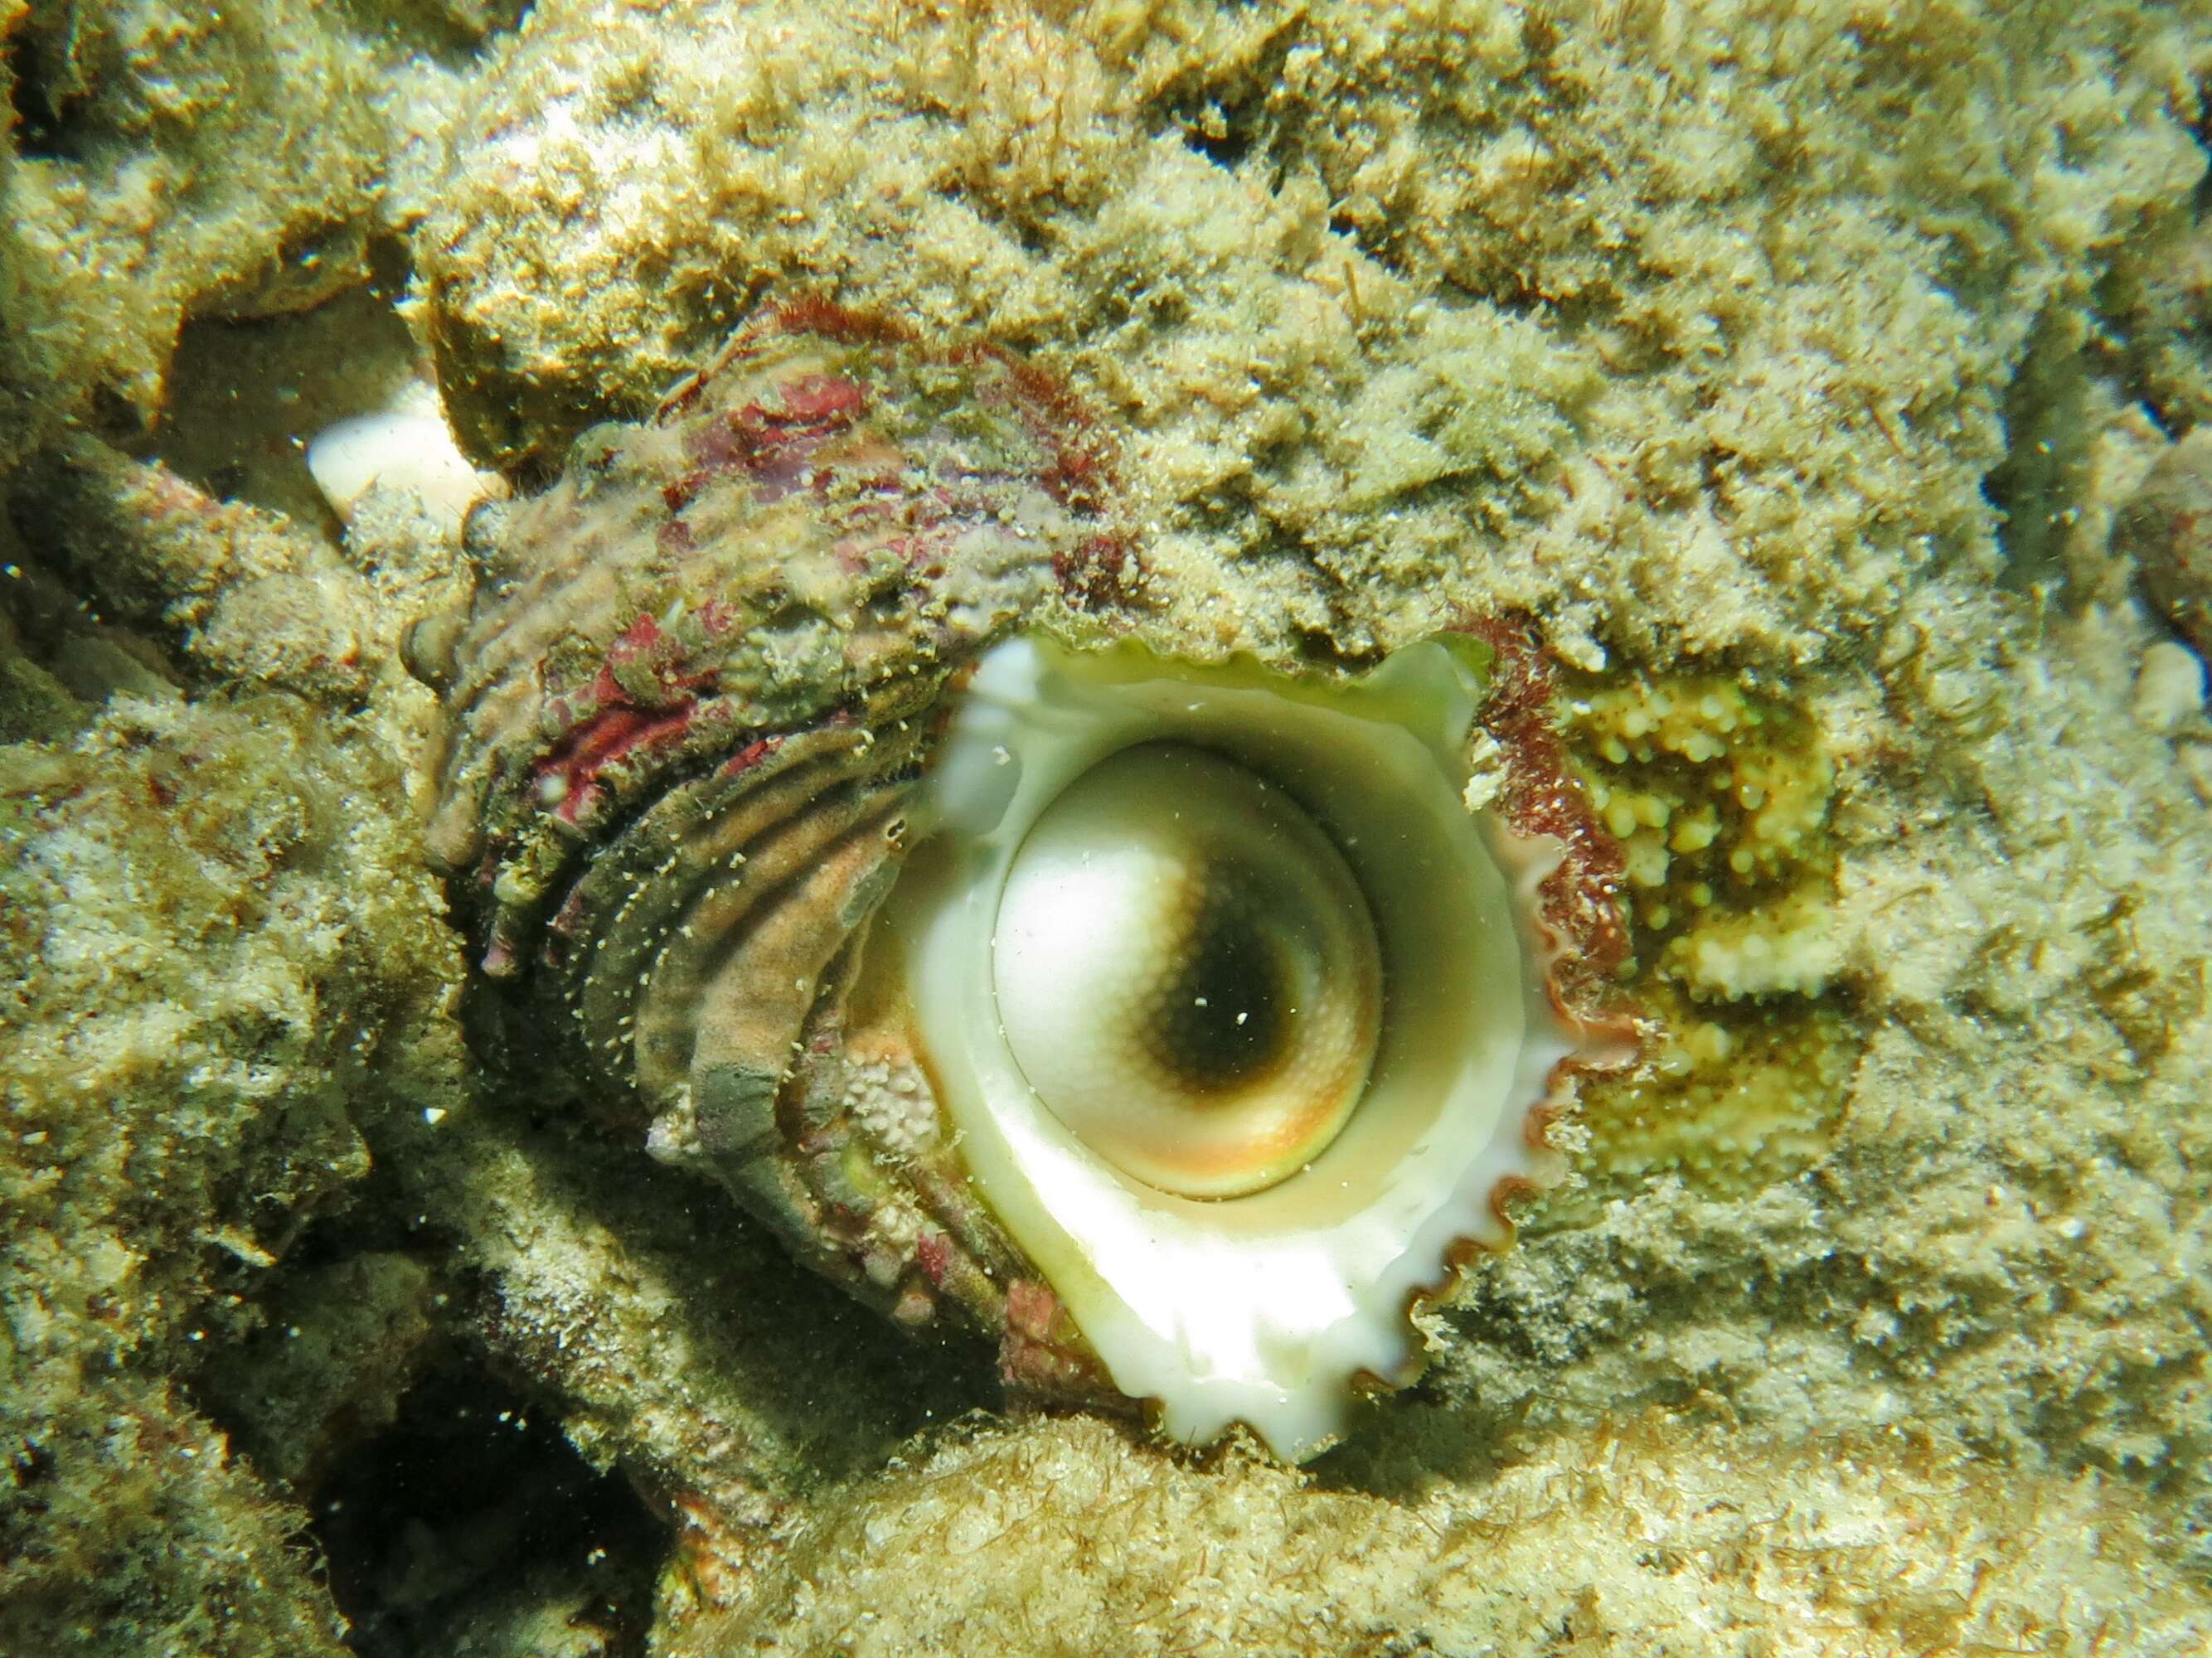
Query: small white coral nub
405, 447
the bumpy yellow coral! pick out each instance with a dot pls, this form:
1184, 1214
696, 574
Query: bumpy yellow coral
1719, 795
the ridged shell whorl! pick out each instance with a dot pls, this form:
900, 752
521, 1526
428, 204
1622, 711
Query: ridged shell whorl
819, 526
1177, 1026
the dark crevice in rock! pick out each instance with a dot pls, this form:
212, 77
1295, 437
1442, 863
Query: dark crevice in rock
42, 82
453, 32
472, 1524
247, 394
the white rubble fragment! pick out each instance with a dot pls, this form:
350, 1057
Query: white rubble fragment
406, 445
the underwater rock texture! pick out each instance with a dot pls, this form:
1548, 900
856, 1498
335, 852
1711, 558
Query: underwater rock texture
165, 162
1815, 349
208, 933
1692, 327
1054, 1541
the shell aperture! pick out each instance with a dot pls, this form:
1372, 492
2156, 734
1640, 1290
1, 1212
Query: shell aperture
1260, 1306
1187, 972
1175, 1026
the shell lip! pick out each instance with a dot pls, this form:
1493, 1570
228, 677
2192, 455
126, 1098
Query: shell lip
1201, 1389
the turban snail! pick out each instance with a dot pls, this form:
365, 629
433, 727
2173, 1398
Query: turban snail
1177, 1025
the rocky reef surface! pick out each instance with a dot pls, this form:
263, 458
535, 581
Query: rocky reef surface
1799, 369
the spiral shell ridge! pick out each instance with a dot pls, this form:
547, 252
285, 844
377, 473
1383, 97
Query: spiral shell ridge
685, 712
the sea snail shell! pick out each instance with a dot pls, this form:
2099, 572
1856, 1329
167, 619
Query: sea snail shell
1177, 1025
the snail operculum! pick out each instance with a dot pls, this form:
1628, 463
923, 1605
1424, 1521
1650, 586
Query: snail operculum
1236, 1224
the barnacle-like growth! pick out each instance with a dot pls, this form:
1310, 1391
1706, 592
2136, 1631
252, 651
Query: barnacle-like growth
1177, 1025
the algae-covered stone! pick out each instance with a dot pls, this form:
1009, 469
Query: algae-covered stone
1063, 1538
1700, 330
166, 160
217, 963
260, 599
1949, 1240
2167, 531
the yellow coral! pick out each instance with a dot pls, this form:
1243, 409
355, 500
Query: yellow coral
1719, 795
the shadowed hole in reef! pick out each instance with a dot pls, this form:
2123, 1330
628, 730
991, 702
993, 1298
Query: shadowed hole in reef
41, 82
1221, 139
471, 1524
451, 31
830, 1387
1228, 118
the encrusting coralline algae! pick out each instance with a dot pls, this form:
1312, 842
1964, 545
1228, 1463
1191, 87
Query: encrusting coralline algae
1803, 360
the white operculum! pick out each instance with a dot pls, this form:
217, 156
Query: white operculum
1237, 1224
